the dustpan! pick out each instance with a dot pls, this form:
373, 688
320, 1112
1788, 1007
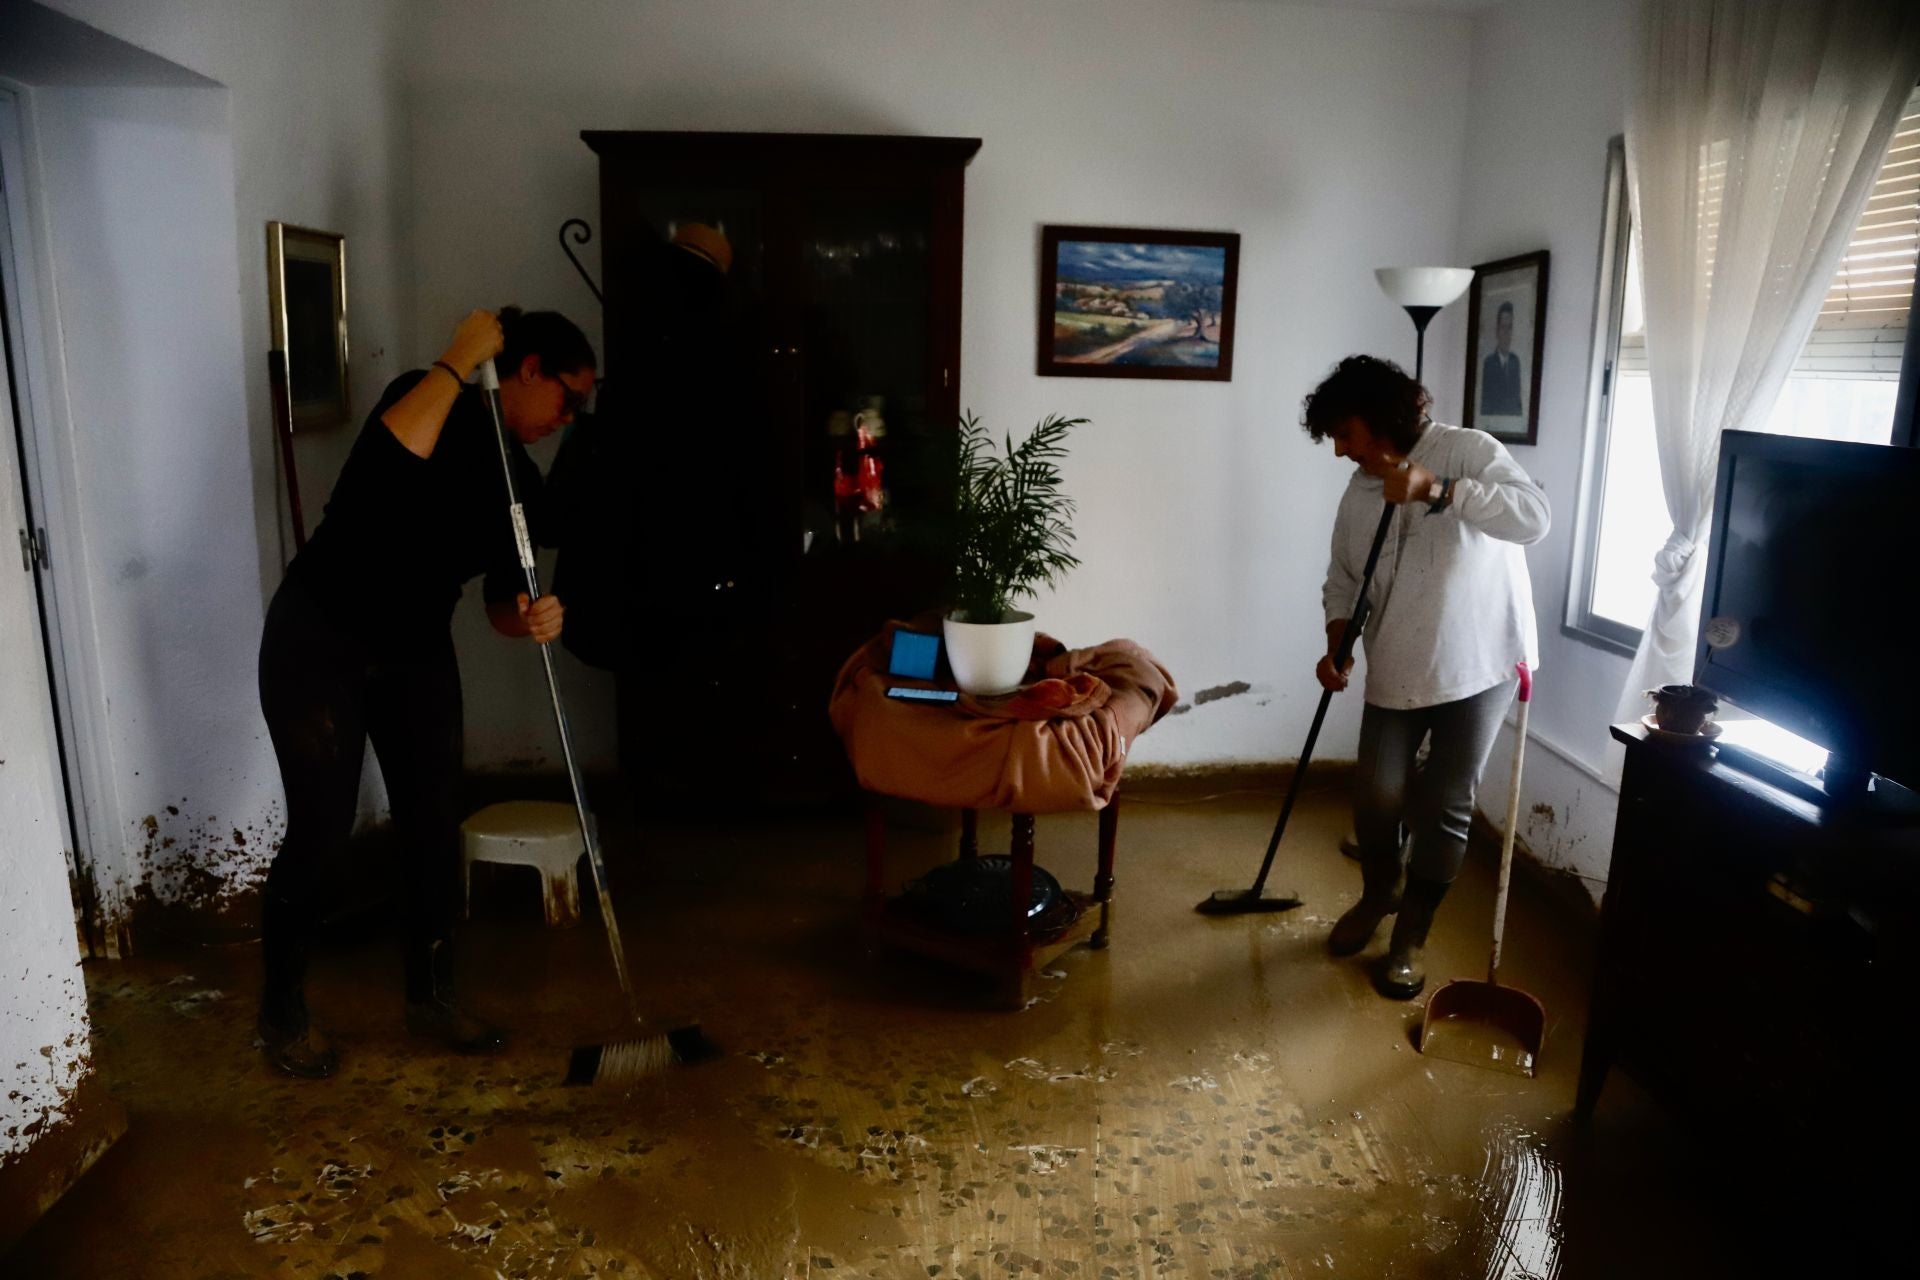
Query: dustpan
1483, 1023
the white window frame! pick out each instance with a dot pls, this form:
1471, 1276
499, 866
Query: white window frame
1610, 295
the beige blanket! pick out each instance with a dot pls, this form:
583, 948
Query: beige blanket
1059, 744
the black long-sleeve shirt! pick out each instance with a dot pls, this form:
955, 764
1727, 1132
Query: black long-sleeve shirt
403, 534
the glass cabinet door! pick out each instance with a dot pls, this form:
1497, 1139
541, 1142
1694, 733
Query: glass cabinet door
869, 465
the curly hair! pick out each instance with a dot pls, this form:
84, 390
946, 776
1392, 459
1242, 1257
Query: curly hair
1376, 391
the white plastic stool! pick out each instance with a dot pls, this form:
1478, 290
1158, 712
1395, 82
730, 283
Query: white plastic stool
542, 834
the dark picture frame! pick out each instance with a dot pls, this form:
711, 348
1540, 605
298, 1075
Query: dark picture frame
1503, 385
307, 306
1130, 302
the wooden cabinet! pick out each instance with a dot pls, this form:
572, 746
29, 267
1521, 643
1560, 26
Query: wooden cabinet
1755, 948
824, 385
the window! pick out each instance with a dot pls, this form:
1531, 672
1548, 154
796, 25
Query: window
1843, 386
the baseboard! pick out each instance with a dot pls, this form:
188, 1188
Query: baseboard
1214, 778
31, 1182
1561, 888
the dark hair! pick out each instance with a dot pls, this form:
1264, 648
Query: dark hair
556, 340
1506, 309
1376, 391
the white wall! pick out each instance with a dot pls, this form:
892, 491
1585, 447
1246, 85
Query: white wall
153, 201
137, 188
1323, 136
1550, 80
317, 139
43, 1006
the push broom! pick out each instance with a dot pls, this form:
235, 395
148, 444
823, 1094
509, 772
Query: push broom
648, 1050
1234, 902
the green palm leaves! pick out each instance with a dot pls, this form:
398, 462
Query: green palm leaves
1011, 534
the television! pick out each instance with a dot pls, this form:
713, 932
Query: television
1810, 616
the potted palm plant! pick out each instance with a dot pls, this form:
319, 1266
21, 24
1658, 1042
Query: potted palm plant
1010, 538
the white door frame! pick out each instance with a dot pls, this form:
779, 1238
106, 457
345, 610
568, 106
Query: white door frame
50, 477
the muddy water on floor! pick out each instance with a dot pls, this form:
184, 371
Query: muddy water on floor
1208, 1098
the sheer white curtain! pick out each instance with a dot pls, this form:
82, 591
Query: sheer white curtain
1755, 134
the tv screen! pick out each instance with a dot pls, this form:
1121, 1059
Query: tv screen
1809, 613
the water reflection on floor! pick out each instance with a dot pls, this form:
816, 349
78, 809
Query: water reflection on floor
1209, 1097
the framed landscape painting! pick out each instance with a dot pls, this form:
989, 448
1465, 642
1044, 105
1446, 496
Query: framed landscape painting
1120, 302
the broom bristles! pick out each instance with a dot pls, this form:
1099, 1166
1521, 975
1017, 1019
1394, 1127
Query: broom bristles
627, 1061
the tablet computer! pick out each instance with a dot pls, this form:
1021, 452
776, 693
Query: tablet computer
915, 655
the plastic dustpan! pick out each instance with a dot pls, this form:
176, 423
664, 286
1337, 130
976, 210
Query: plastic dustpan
1483, 1023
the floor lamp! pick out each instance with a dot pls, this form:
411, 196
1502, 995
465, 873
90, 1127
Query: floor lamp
1423, 291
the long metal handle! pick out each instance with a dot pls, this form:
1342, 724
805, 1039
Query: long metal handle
523, 544
1356, 619
1513, 825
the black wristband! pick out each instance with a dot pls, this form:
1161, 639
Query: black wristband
451, 371
1439, 504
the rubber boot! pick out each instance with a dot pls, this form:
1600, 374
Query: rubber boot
1404, 972
431, 1010
298, 1048
1381, 885
292, 1045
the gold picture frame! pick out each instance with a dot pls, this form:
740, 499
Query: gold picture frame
307, 307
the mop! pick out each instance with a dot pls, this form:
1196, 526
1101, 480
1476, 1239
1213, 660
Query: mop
648, 1050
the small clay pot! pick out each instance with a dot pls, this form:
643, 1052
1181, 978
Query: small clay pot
1682, 708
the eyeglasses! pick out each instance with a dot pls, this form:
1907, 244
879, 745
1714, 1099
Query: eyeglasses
574, 401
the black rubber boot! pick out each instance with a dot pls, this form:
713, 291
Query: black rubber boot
299, 1050
431, 1010
291, 1044
1381, 885
1404, 972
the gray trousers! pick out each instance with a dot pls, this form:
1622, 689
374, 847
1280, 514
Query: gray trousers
1435, 802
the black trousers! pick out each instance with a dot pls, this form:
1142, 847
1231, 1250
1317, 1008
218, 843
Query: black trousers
326, 692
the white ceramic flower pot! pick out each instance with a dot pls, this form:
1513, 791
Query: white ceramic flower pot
989, 658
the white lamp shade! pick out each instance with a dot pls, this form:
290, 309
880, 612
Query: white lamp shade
1423, 286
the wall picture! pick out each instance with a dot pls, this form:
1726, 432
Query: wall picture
307, 304
1119, 302
1506, 333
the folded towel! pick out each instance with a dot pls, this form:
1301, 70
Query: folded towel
1057, 744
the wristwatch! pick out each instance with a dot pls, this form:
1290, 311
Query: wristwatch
1439, 504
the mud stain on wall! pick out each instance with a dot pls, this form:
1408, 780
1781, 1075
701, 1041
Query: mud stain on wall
55, 1080
196, 877
1232, 689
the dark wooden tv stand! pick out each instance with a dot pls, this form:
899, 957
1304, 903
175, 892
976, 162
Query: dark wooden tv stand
1754, 948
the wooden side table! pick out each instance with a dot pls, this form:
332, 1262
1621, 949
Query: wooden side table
1011, 957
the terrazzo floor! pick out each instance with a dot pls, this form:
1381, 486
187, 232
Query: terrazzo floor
1207, 1098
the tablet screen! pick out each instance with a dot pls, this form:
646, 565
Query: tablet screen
915, 655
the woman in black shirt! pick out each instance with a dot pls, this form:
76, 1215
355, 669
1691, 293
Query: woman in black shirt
358, 648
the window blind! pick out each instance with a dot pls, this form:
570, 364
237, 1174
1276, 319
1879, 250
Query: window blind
1862, 328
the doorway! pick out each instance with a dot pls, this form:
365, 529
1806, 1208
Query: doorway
37, 795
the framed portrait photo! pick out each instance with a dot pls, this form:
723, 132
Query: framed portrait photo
1506, 333
307, 306
1121, 302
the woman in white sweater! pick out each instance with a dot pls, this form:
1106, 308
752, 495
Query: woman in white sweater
1451, 613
